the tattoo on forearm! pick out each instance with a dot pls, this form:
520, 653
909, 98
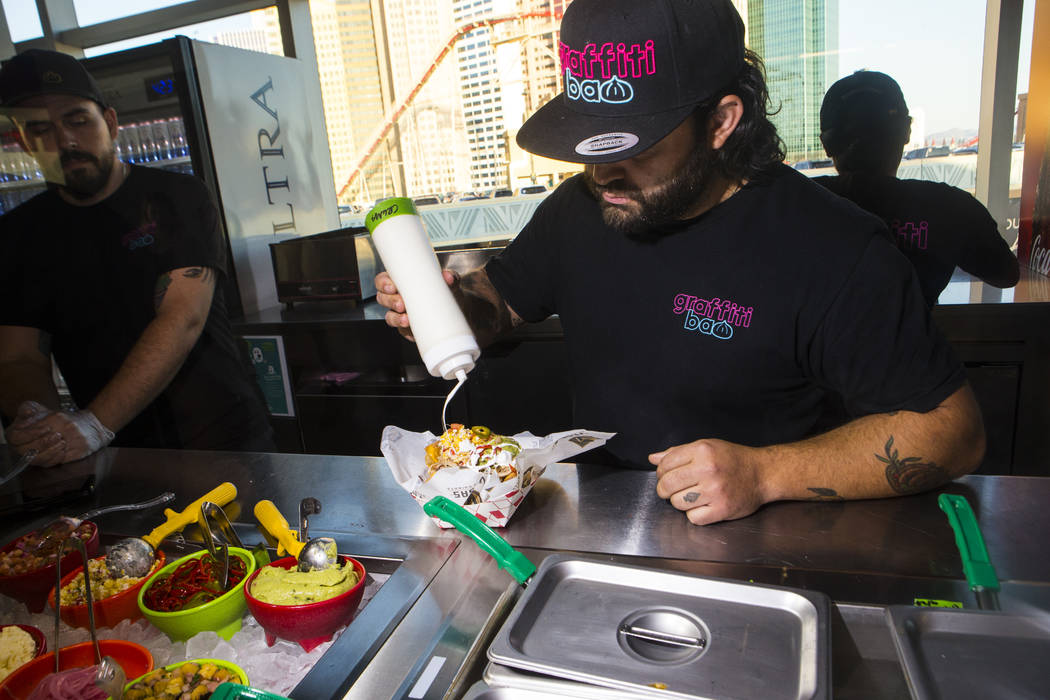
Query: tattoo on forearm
163, 282
202, 273
910, 474
824, 494
691, 497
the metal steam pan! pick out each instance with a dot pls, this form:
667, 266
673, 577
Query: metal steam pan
667, 634
972, 654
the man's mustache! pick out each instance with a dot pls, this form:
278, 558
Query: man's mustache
68, 156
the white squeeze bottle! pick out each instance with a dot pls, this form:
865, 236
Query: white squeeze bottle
444, 338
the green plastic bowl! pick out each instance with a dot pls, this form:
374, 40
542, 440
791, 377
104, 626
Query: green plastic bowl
222, 615
239, 675
233, 691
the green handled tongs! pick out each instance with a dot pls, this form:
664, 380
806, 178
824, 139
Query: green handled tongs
516, 563
980, 574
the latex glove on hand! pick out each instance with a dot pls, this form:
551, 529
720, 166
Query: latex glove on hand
89, 435
57, 436
30, 433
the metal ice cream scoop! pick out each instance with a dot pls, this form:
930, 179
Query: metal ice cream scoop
134, 556
317, 553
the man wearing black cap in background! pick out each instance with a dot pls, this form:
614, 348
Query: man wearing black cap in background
864, 126
749, 334
114, 271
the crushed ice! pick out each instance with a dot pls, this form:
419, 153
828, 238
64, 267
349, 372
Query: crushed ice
277, 669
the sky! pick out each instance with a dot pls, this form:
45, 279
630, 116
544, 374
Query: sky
932, 47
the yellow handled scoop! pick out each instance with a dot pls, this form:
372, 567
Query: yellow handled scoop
134, 556
276, 524
315, 553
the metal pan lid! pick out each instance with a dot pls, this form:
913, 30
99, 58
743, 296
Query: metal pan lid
668, 634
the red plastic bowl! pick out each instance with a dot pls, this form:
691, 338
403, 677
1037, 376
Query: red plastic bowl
33, 586
108, 611
309, 624
135, 659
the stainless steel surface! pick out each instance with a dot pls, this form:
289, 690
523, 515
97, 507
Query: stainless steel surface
965, 654
443, 602
628, 627
594, 509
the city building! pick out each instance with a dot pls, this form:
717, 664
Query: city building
434, 153
798, 41
535, 38
480, 89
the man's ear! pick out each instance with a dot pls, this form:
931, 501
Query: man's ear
724, 120
110, 116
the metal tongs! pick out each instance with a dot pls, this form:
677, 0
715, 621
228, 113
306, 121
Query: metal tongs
109, 676
215, 543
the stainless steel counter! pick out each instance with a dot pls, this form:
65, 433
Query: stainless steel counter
863, 554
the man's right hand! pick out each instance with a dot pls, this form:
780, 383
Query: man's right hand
386, 295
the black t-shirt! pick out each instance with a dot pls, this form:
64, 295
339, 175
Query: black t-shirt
777, 314
936, 226
87, 276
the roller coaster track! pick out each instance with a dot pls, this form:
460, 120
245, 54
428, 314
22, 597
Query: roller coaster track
380, 134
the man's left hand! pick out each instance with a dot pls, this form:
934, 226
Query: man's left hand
711, 480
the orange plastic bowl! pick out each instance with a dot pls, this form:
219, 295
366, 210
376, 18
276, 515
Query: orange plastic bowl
135, 659
309, 624
108, 611
33, 586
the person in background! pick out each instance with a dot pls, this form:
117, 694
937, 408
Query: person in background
864, 126
114, 271
718, 308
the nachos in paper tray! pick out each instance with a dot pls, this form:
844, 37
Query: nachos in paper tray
486, 473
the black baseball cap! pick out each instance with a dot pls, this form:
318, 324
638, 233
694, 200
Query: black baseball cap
633, 71
865, 103
40, 72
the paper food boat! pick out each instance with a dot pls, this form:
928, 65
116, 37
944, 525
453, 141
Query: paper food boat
492, 499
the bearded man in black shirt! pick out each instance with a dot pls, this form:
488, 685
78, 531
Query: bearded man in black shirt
114, 272
747, 333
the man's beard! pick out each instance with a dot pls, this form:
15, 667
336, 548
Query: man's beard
85, 183
660, 207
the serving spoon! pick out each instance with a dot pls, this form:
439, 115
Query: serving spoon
75, 522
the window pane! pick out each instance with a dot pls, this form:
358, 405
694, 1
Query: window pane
95, 11
246, 30
22, 20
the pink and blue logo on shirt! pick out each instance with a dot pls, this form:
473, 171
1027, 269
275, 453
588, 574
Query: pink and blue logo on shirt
140, 237
910, 235
604, 74
715, 317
